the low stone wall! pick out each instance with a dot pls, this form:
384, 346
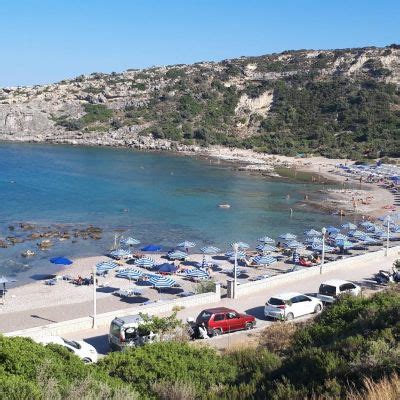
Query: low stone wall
105, 319
251, 287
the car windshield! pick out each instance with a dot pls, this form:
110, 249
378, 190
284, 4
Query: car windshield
273, 301
204, 316
327, 290
115, 329
72, 343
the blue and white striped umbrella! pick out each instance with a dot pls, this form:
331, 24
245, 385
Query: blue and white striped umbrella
332, 229
312, 232
241, 245
387, 218
313, 240
239, 271
349, 225
197, 273
395, 229
383, 235
266, 247
186, 244
145, 262
160, 282
177, 255
240, 254
130, 241
129, 274
210, 250
288, 236
345, 244
367, 224
339, 236
356, 234
120, 253
374, 228
264, 260
266, 239
107, 265
327, 249
368, 240
294, 244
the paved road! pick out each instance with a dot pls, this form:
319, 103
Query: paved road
254, 304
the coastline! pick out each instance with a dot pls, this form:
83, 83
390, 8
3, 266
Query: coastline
251, 162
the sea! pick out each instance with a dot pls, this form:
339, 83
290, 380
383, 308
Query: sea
157, 198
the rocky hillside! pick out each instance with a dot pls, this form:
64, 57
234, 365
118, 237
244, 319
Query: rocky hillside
331, 102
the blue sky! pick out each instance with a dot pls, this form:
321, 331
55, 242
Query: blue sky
46, 41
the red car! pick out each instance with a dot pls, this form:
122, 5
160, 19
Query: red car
221, 320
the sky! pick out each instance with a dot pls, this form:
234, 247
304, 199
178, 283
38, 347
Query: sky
43, 41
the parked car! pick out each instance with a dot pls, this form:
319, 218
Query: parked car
86, 352
221, 320
329, 291
125, 332
287, 306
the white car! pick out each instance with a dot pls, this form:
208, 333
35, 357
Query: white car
83, 350
329, 291
287, 306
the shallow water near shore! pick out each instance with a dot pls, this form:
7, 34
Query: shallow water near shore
155, 197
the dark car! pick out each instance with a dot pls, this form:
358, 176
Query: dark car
221, 320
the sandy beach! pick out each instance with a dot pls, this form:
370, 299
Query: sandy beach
369, 198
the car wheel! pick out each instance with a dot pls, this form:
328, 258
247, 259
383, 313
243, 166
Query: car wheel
248, 326
86, 360
317, 308
216, 332
289, 317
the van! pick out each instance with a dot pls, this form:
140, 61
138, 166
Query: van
125, 332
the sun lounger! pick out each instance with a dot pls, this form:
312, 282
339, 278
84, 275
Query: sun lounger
131, 292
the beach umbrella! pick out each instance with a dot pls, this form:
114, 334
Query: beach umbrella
345, 244
130, 274
210, 250
119, 253
231, 255
264, 260
349, 225
60, 261
166, 268
313, 232
130, 241
266, 247
145, 262
356, 234
107, 264
383, 235
318, 247
197, 273
104, 266
288, 236
338, 236
160, 282
332, 229
367, 224
294, 245
151, 247
368, 240
241, 245
313, 240
177, 255
395, 229
266, 239
186, 244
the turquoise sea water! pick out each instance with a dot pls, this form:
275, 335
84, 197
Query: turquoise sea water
157, 198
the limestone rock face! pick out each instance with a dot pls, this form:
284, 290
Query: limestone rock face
140, 99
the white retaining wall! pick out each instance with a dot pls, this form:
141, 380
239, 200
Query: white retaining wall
105, 319
251, 287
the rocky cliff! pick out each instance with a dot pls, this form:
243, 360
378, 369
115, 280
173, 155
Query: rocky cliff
307, 101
